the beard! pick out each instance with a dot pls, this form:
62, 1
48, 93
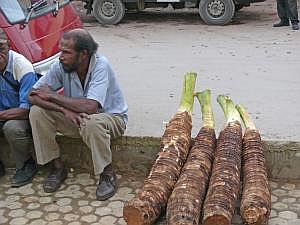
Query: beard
70, 68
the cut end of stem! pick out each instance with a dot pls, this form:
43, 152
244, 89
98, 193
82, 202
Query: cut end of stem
248, 122
228, 108
187, 97
204, 99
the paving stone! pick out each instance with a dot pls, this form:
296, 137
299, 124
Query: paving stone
107, 220
90, 219
71, 217
3, 220
86, 209
65, 209
273, 185
12, 198
295, 207
45, 200
288, 200
16, 213
279, 192
97, 203
294, 193
38, 222
288, 215
14, 205
18, 221
52, 216
277, 221
280, 206
274, 198
74, 223
64, 201
34, 214
83, 202
33, 206
103, 211
293, 222
289, 186
273, 213
57, 222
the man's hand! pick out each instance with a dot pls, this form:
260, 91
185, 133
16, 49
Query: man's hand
77, 118
44, 92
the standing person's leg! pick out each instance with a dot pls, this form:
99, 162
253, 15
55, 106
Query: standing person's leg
2, 167
18, 135
293, 13
97, 134
282, 11
45, 125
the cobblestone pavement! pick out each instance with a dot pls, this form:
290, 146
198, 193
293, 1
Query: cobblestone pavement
75, 203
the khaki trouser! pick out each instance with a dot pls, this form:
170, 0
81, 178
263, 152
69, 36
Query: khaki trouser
18, 135
97, 134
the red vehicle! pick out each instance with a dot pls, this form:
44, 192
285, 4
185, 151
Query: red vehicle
34, 28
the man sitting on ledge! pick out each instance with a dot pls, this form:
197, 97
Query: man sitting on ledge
92, 108
17, 77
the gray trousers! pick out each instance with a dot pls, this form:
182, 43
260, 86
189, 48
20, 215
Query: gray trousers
18, 135
287, 9
96, 134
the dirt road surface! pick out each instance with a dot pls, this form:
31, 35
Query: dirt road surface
254, 63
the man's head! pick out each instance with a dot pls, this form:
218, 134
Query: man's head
77, 46
4, 48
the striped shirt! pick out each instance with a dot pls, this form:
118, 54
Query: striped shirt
19, 71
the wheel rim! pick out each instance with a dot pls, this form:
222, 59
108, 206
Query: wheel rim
216, 8
108, 9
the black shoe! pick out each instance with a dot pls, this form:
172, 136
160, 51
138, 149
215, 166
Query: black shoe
25, 175
107, 186
295, 26
55, 179
282, 23
2, 169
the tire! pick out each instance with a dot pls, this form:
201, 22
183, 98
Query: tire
108, 12
216, 12
238, 7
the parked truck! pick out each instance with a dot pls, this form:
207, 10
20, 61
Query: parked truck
214, 12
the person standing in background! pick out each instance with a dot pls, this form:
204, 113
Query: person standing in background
287, 11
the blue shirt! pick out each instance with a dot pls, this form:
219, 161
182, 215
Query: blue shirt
100, 85
21, 73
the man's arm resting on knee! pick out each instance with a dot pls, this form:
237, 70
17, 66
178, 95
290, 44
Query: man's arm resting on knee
14, 114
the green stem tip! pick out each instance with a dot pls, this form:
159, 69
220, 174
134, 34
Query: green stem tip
228, 108
187, 97
206, 108
248, 122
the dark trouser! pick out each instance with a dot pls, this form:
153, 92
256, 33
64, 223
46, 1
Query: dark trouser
18, 135
287, 9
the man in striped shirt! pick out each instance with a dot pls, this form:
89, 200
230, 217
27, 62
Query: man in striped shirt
17, 77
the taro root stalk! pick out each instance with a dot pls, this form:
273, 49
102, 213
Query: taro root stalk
148, 203
256, 198
224, 183
185, 202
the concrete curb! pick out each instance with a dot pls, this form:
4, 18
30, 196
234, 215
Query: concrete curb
138, 153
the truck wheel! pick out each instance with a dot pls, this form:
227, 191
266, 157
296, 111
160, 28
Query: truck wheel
108, 11
216, 12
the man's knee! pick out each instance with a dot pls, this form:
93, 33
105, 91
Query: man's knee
35, 111
16, 128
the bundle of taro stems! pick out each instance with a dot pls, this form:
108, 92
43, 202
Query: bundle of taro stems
151, 201
179, 178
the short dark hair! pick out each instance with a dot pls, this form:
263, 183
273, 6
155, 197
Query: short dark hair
82, 40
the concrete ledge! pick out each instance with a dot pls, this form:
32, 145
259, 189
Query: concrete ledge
138, 153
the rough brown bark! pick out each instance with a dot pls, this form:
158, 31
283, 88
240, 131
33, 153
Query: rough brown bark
148, 204
185, 202
224, 184
256, 198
